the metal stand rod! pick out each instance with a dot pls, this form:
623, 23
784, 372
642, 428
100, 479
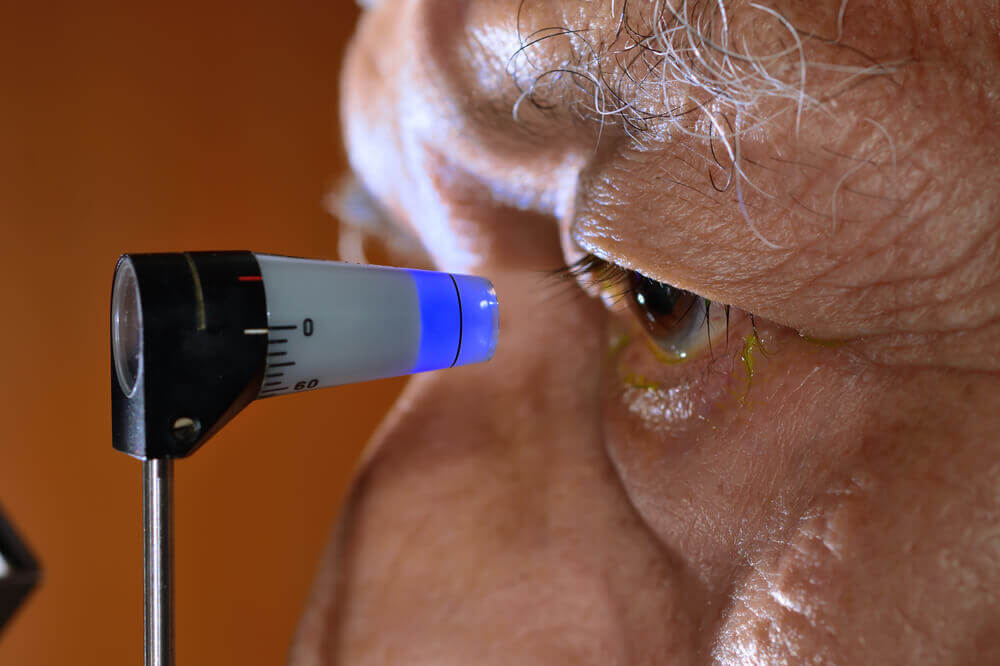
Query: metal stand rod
158, 560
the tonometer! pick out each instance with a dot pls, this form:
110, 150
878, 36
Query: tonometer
197, 336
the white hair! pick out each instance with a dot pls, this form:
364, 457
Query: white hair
685, 67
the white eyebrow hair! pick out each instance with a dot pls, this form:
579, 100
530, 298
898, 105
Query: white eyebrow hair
683, 67
667, 55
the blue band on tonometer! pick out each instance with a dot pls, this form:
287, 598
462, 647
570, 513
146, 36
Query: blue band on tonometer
440, 320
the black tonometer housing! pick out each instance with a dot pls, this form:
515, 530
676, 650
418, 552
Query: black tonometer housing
186, 354
19, 573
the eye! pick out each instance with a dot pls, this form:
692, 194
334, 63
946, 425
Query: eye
678, 324
673, 318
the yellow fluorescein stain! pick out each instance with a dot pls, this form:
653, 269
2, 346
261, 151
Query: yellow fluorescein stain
640, 382
829, 344
751, 344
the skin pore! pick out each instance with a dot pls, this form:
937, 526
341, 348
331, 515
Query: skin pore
817, 481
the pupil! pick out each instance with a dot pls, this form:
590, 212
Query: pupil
657, 299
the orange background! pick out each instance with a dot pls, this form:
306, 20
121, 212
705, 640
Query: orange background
129, 126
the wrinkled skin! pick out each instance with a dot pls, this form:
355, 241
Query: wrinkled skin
833, 499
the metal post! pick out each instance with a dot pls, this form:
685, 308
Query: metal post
158, 560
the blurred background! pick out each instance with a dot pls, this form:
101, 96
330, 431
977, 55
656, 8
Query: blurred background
146, 127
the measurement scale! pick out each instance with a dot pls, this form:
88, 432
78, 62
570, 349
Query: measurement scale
198, 336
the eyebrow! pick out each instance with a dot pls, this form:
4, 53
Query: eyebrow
682, 71
656, 64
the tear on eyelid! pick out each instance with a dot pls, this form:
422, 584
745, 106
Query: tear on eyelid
367, 4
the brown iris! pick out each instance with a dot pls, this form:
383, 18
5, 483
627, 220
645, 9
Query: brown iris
674, 318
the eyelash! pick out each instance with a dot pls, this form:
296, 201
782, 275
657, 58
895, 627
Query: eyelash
618, 284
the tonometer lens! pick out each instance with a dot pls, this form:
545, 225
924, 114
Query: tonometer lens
126, 327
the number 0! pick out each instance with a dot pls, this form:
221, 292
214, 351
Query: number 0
308, 327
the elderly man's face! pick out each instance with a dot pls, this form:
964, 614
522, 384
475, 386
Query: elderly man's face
756, 421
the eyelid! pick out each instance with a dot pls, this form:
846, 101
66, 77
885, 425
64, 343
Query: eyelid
368, 4
606, 279
672, 338
598, 277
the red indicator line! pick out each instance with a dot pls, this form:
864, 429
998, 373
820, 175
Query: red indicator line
251, 278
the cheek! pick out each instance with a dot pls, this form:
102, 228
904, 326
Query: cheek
711, 451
